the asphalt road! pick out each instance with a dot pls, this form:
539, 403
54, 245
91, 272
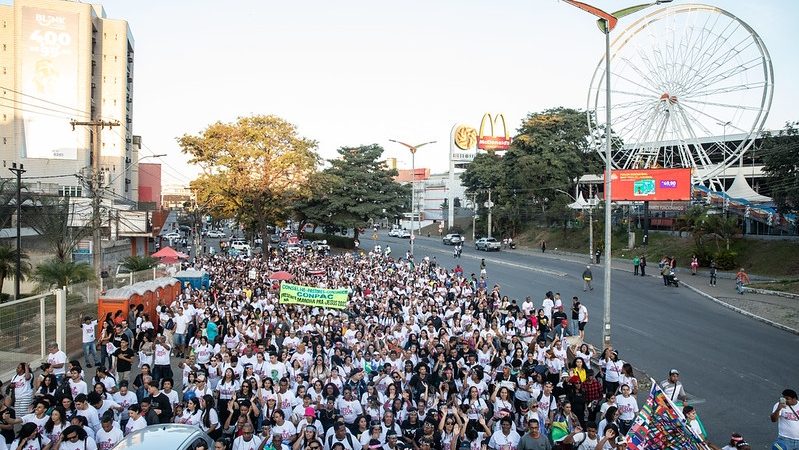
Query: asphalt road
732, 366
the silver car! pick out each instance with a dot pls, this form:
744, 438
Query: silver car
165, 436
487, 244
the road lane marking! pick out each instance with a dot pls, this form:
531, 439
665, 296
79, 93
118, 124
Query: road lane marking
498, 261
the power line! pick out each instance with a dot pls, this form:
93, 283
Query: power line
43, 100
37, 106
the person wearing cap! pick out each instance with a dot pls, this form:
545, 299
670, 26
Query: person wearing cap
309, 419
786, 414
672, 387
735, 439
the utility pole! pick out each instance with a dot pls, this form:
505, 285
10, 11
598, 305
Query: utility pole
490, 205
18, 171
96, 185
474, 215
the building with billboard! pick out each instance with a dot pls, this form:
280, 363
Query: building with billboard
63, 61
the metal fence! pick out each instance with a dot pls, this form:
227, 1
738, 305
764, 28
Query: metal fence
26, 325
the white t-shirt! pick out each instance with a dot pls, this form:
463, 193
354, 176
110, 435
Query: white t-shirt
628, 407
499, 441
240, 444
788, 422
107, 440
181, 323
80, 445
78, 388
89, 331
582, 314
587, 444
58, 357
161, 355
135, 424
287, 430
31, 418
32, 444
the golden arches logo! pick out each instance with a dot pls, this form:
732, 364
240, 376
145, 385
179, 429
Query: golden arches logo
492, 142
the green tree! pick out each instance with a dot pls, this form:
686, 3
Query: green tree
781, 166
363, 188
722, 228
139, 263
255, 169
54, 273
8, 264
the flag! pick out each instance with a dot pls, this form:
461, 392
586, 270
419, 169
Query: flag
661, 426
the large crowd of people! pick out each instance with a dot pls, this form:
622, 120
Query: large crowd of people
425, 357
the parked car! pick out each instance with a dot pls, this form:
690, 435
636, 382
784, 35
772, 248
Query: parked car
305, 243
216, 234
240, 245
274, 239
405, 234
172, 235
452, 239
487, 244
171, 436
395, 232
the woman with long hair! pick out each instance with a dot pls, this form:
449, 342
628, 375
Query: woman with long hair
210, 419
48, 386
56, 423
28, 438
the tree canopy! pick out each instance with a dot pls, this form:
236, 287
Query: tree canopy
781, 165
254, 169
361, 188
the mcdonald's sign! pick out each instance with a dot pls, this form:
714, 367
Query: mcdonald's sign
492, 142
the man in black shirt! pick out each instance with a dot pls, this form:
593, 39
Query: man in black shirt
160, 403
124, 355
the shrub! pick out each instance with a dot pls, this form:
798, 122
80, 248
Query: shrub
725, 259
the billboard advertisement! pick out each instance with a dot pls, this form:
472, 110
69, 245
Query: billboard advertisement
492, 142
49, 79
651, 184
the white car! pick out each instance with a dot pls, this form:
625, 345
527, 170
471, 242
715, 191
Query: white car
405, 234
487, 244
215, 234
240, 245
172, 235
395, 232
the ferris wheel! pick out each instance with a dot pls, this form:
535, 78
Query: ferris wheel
686, 81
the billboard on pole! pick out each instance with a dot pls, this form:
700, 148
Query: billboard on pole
49, 82
651, 184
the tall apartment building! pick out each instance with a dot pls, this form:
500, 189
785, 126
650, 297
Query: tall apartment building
62, 61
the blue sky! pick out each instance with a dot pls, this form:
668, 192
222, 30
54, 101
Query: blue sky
353, 72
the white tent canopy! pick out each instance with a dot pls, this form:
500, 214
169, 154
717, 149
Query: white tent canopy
581, 203
740, 189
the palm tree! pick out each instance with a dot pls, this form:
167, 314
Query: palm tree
139, 263
54, 273
8, 264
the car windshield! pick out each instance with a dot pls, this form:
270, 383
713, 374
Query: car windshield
491, 240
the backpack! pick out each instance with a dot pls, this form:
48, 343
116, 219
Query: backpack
170, 324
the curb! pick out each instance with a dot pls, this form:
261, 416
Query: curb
743, 311
770, 292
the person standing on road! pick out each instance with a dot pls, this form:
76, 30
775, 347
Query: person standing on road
643, 265
741, 279
587, 278
786, 414
89, 327
712, 272
694, 265
582, 320
543, 246
597, 255
636, 264
673, 388
483, 267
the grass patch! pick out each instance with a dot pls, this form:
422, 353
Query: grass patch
774, 258
791, 286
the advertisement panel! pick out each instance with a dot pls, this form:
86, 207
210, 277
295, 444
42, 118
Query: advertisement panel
49, 79
293, 294
651, 184
491, 142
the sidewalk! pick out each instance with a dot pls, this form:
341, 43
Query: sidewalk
781, 312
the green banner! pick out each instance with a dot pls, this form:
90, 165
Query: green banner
293, 294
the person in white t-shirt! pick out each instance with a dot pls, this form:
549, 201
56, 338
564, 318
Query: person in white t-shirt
57, 360
248, 440
76, 385
75, 437
109, 435
786, 414
89, 327
28, 438
628, 408
583, 439
136, 421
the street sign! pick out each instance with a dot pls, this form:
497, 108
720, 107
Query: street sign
488, 204
413, 237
